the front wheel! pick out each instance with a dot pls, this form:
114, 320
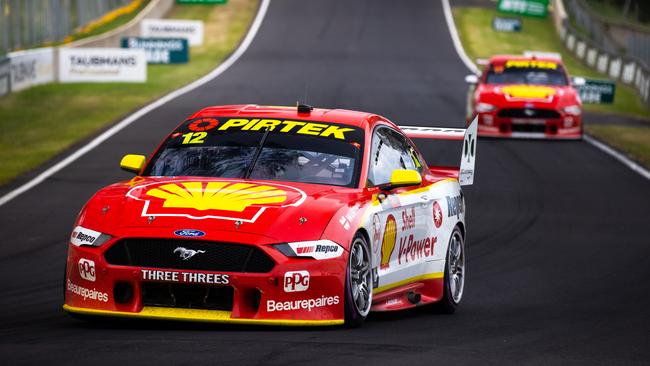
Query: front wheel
358, 282
454, 281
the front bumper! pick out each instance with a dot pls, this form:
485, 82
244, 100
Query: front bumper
95, 287
564, 127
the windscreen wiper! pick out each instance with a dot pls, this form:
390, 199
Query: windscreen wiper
256, 156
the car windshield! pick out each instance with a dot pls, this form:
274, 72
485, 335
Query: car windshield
527, 72
293, 151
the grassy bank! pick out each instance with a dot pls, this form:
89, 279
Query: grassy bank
42, 121
481, 41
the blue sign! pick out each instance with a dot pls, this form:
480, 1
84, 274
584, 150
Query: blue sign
160, 50
189, 233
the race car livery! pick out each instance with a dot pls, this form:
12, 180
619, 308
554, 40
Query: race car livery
275, 215
525, 97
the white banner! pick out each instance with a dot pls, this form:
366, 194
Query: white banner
192, 30
31, 67
102, 65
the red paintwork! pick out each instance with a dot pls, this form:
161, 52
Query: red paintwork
322, 207
490, 124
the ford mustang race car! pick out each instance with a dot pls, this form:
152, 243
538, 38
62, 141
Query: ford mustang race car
275, 215
525, 96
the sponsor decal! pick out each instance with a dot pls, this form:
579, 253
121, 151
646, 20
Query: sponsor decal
296, 281
307, 304
350, 216
455, 206
186, 254
411, 250
286, 126
203, 124
528, 91
437, 214
388, 242
185, 277
87, 269
376, 227
317, 249
83, 236
191, 233
203, 199
408, 220
535, 64
86, 293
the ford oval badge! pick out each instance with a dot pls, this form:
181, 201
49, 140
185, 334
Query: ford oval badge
189, 233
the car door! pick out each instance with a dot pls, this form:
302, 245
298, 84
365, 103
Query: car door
401, 219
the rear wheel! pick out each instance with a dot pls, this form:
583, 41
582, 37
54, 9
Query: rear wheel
358, 283
454, 281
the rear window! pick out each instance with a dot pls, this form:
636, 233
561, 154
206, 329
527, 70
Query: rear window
531, 72
263, 149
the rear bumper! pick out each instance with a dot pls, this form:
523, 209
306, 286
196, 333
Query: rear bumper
95, 287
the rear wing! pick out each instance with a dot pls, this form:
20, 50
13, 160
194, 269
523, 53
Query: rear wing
467, 136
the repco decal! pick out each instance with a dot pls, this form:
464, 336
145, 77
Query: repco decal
455, 206
388, 242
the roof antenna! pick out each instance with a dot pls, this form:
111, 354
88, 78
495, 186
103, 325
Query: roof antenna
304, 108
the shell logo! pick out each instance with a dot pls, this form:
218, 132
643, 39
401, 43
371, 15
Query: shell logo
201, 199
528, 91
388, 242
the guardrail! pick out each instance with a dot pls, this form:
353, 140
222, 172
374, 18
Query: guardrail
605, 59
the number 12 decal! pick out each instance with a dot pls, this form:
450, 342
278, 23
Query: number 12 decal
194, 137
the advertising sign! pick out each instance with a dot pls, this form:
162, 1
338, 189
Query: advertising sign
503, 24
536, 8
597, 91
31, 67
160, 50
192, 30
5, 76
102, 65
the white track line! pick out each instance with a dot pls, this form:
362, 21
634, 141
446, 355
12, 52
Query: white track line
472, 67
144, 110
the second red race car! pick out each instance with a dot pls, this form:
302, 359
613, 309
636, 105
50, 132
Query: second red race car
525, 97
275, 215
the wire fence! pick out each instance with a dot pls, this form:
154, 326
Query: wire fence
31, 23
614, 37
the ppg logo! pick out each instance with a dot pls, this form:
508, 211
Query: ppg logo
296, 281
87, 269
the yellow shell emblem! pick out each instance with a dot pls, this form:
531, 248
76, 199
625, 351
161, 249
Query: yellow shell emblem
224, 196
528, 91
388, 242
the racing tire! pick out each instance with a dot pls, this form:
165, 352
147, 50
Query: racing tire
454, 278
358, 282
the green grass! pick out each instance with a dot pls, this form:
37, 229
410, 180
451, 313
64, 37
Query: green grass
481, 41
635, 141
40, 122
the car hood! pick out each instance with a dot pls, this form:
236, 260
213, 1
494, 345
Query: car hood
219, 208
516, 94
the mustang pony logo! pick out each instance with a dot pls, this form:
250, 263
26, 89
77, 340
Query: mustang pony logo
216, 199
187, 253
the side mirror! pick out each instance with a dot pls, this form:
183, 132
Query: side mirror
471, 79
403, 178
579, 81
133, 163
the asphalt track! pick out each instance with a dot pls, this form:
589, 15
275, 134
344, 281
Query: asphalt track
558, 252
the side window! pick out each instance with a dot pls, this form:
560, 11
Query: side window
389, 151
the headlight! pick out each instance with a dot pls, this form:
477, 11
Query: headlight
573, 110
484, 107
82, 236
317, 249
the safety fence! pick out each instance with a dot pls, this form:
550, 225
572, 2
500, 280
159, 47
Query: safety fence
31, 23
604, 57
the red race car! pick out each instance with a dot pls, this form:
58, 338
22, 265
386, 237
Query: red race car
526, 97
275, 215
